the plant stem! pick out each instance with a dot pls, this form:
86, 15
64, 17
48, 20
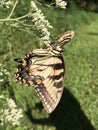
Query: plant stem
13, 19
12, 9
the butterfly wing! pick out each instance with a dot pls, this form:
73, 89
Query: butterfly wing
50, 90
46, 75
65, 37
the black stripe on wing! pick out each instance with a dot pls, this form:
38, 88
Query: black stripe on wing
50, 92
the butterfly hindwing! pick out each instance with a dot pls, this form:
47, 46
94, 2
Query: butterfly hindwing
47, 75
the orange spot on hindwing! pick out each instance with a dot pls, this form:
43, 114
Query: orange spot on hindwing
30, 83
24, 62
31, 73
38, 81
24, 81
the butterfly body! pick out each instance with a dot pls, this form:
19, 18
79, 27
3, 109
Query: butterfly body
44, 69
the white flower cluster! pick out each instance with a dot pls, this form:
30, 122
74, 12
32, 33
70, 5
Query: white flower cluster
5, 3
12, 114
40, 23
61, 3
3, 72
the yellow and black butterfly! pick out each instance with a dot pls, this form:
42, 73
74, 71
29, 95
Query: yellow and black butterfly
44, 69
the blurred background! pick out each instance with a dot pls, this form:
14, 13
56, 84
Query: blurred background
78, 108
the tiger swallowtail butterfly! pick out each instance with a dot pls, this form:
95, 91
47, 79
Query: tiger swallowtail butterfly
44, 69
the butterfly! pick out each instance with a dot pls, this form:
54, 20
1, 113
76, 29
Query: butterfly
44, 69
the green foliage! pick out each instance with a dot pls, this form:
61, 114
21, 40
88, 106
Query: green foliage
78, 108
89, 5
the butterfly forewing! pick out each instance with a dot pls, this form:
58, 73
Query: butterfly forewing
50, 90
